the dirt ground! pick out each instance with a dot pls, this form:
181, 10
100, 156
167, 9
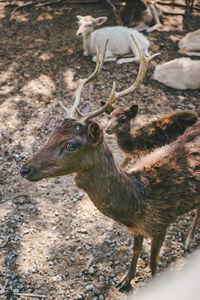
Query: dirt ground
53, 240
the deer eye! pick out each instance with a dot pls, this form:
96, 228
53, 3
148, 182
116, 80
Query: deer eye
71, 147
122, 120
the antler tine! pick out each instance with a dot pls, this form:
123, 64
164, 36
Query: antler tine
114, 96
95, 73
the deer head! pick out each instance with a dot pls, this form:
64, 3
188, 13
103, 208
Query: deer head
120, 117
87, 24
73, 145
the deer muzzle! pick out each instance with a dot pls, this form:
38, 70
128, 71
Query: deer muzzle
28, 172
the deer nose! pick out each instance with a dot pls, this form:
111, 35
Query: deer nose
27, 172
79, 33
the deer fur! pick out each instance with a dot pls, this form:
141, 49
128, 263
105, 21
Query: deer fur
180, 73
119, 39
190, 44
141, 15
161, 186
135, 143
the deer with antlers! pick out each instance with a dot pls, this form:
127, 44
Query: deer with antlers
136, 143
161, 186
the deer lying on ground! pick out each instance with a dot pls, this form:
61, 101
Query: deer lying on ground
161, 186
141, 15
190, 44
180, 73
136, 143
120, 42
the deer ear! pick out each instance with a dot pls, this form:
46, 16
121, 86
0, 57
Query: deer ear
109, 109
132, 111
99, 21
95, 133
79, 17
86, 108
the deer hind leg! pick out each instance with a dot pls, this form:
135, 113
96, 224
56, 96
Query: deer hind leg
137, 247
156, 244
156, 12
141, 27
127, 60
108, 56
152, 28
190, 53
191, 233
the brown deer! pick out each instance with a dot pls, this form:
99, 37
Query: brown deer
138, 14
162, 186
136, 143
141, 15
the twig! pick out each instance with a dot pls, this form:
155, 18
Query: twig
48, 3
29, 295
178, 5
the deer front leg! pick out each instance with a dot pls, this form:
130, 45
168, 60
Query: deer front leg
137, 247
191, 233
126, 161
156, 244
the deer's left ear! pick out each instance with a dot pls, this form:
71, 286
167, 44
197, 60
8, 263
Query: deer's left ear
95, 134
100, 20
108, 110
132, 111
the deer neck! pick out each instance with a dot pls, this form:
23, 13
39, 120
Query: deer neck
87, 44
114, 192
124, 139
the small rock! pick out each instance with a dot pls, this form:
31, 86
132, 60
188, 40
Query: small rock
96, 293
2, 291
87, 247
91, 271
89, 287
101, 278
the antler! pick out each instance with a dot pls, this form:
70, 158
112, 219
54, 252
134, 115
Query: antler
114, 96
97, 70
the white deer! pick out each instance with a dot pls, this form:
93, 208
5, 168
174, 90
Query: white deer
190, 44
180, 73
120, 43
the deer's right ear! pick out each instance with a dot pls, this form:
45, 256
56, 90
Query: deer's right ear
108, 110
79, 17
95, 134
100, 20
132, 111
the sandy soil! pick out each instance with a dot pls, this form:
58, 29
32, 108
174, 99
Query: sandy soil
53, 240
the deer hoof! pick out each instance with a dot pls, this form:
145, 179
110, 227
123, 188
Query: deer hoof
188, 247
124, 285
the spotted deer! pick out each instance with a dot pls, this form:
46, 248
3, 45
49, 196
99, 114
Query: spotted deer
136, 143
161, 186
